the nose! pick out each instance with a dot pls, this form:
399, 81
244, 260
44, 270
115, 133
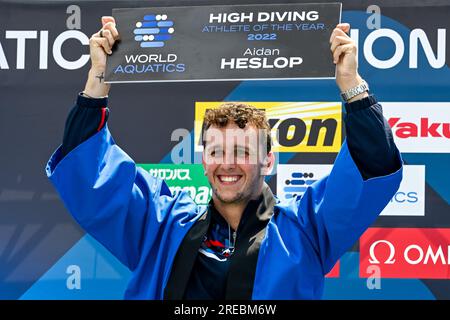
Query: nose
229, 161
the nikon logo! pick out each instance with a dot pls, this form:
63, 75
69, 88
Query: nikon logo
307, 135
296, 126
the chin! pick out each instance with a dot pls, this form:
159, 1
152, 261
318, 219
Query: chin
229, 198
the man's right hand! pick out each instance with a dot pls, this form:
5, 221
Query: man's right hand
100, 45
102, 42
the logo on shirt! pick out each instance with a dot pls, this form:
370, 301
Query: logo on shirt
153, 31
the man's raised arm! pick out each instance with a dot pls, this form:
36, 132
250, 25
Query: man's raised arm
90, 112
121, 205
337, 209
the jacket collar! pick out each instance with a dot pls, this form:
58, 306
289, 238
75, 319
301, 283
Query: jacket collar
241, 275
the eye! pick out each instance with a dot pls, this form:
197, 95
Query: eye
215, 152
243, 152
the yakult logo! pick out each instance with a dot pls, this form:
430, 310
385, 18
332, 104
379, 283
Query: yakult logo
419, 126
406, 253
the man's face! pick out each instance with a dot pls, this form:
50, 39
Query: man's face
235, 161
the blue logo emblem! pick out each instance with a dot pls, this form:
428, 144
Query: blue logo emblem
153, 31
298, 184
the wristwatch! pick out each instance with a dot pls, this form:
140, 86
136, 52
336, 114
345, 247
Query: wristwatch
352, 92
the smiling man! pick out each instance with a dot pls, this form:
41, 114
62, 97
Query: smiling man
237, 156
246, 244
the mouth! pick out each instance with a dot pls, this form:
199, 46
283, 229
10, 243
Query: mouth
229, 179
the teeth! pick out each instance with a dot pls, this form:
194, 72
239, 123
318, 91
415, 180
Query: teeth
229, 178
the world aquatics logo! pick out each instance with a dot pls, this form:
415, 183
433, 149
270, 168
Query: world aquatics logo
153, 31
298, 184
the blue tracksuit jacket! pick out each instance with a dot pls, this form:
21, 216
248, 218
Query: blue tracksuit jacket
135, 216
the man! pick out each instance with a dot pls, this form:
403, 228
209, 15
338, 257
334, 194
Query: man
245, 244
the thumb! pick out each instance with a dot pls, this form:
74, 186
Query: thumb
106, 19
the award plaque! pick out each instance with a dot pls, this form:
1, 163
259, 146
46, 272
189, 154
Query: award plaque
206, 43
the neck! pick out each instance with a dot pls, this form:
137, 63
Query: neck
232, 212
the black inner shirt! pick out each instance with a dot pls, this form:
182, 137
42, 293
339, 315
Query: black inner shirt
208, 279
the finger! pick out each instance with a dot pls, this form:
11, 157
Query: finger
344, 27
106, 19
111, 26
108, 35
105, 44
343, 49
102, 42
338, 40
337, 32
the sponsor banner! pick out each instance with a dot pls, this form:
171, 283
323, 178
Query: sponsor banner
282, 41
419, 126
409, 200
187, 177
335, 272
406, 253
295, 126
294, 179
